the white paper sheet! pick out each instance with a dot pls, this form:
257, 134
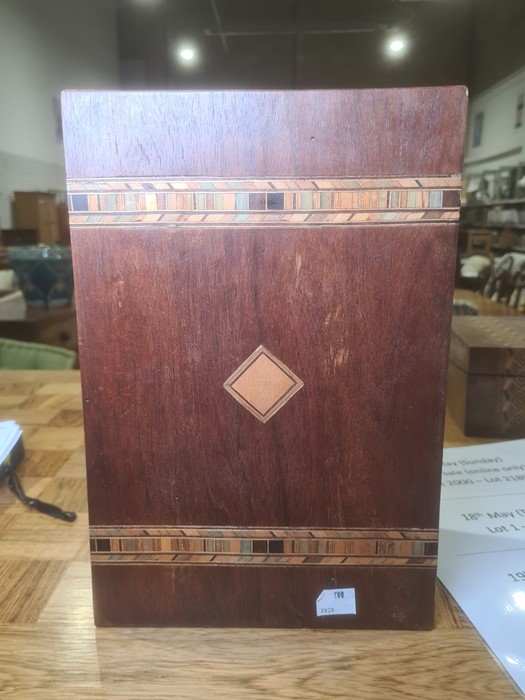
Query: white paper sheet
482, 544
10, 431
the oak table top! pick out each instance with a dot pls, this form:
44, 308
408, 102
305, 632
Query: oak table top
484, 306
51, 649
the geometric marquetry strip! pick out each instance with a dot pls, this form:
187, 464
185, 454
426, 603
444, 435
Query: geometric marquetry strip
263, 384
263, 546
512, 406
277, 201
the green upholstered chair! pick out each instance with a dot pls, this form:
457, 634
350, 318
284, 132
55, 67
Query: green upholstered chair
17, 354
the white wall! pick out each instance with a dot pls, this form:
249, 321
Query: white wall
502, 143
47, 46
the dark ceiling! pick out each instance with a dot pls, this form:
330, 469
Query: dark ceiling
295, 43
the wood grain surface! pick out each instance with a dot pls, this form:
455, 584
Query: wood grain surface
486, 375
402, 129
342, 430
297, 221
50, 648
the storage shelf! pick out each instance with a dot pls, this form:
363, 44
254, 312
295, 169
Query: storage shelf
493, 203
518, 226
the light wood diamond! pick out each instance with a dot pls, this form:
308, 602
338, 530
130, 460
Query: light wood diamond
263, 384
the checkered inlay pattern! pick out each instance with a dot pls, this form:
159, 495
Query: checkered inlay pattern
263, 546
245, 202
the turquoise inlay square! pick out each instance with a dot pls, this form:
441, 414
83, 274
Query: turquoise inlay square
241, 217
307, 200
326, 200
412, 201
394, 199
110, 202
95, 218
435, 199
241, 200
206, 186
200, 201
126, 218
246, 546
130, 201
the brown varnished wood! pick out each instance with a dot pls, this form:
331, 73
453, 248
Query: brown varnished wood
359, 313
488, 345
250, 597
486, 375
325, 449
304, 133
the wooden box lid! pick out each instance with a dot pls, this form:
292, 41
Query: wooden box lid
492, 345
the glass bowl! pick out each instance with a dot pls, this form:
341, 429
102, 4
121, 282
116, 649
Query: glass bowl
44, 273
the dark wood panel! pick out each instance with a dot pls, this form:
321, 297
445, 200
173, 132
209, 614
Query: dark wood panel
239, 597
165, 317
344, 276
487, 405
282, 134
493, 345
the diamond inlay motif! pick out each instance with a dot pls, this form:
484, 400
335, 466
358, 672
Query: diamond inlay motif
263, 384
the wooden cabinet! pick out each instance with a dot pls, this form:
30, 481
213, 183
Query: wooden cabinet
38, 210
51, 326
496, 226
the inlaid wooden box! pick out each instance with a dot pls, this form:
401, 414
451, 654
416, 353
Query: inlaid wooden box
264, 288
486, 375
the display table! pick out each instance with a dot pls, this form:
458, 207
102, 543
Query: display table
484, 306
51, 326
51, 648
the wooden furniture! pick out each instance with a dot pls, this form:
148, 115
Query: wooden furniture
479, 242
517, 299
49, 647
272, 414
486, 376
51, 326
19, 236
38, 210
502, 221
484, 306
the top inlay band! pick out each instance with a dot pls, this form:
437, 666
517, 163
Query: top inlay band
248, 202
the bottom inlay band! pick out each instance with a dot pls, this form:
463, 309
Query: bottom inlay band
263, 546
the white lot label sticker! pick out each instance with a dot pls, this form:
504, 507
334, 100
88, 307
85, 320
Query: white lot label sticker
336, 601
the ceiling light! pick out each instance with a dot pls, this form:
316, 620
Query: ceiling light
187, 54
396, 46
